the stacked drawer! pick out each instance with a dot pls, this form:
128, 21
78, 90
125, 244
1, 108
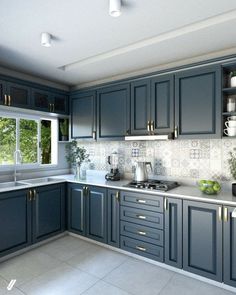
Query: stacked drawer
141, 227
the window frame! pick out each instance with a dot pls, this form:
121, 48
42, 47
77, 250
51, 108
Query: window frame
54, 141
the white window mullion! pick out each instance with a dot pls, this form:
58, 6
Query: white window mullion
17, 133
39, 142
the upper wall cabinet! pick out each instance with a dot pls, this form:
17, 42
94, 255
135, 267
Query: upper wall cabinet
198, 103
113, 112
15, 95
83, 115
152, 105
49, 102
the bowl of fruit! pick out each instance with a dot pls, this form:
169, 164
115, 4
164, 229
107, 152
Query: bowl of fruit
209, 187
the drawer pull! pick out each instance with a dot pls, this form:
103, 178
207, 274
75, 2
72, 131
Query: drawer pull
142, 233
141, 248
141, 216
141, 201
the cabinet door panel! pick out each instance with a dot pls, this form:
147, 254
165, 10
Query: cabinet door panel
60, 103
230, 249
49, 207
96, 214
202, 239
3, 91
41, 99
113, 112
15, 220
198, 103
113, 218
83, 115
162, 103
19, 95
173, 233
76, 209
140, 106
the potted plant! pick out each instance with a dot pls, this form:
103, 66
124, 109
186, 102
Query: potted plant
233, 79
76, 156
64, 129
232, 167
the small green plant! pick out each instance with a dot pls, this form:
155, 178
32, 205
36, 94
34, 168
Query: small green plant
233, 74
64, 127
232, 163
76, 155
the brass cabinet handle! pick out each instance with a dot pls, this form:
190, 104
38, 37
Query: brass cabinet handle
148, 125
30, 195
166, 204
220, 213
176, 132
34, 195
118, 196
5, 99
225, 214
9, 100
142, 233
84, 190
53, 107
94, 135
141, 201
152, 125
87, 191
141, 248
141, 216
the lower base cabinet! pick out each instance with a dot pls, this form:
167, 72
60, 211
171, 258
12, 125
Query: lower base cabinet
29, 216
87, 211
202, 239
15, 221
173, 232
229, 246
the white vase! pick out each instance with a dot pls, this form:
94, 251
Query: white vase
233, 81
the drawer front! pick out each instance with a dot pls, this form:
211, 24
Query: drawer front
142, 232
142, 201
143, 217
141, 248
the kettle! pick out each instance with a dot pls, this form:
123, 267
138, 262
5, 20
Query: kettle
140, 173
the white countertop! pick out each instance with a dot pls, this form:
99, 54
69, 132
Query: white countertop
183, 191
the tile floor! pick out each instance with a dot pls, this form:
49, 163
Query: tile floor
73, 266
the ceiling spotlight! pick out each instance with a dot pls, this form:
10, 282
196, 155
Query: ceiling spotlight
115, 8
46, 39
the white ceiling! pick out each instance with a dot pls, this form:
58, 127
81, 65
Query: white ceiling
91, 45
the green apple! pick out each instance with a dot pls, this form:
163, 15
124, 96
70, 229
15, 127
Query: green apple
216, 187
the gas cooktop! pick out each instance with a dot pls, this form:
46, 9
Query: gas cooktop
153, 184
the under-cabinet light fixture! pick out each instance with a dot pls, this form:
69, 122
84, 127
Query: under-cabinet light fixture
115, 8
46, 39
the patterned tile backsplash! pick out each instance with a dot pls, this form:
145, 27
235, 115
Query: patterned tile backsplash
179, 159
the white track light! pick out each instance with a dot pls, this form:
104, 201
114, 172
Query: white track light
115, 8
46, 39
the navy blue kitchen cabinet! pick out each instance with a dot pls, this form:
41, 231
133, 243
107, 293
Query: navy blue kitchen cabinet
198, 103
113, 111
96, 213
202, 239
87, 211
83, 115
76, 208
18, 95
3, 95
15, 220
173, 232
229, 247
48, 211
49, 101
140, 107
152, 105
113, 218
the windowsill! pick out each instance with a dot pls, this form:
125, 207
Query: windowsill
26, 167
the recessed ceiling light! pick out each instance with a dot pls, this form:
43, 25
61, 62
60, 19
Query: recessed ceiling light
46, 39
115, 8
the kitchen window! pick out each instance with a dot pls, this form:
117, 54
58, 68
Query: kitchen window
35, 137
